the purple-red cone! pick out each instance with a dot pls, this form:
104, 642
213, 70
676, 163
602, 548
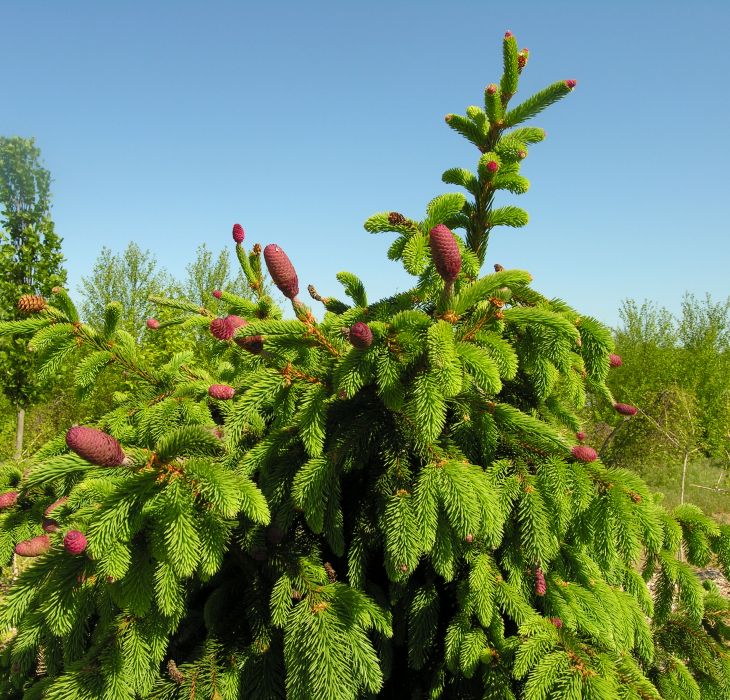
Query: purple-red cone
580, 436
540, 585
8, 499
281, 270
221, 329
238, 233
74, 542
217, 293
360, 335
445, 252
55, 505
571, 83
153, 324
491, 89
614, 360
50, 525
584, 453
33, 547
222, 392
469, 538
492, 166
557, 622
625, 409
95, 446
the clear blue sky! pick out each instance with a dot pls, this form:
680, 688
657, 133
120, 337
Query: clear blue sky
166, 122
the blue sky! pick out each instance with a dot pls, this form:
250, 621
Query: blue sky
166, 122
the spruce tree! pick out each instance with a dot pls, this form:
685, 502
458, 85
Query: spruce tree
391, 502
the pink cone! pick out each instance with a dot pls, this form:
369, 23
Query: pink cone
74, 542
540, 585
445, 252
238, 233
281, 270
217, 293
584, 453
8, 499
33, 547
153, 324
625, 409
615, 360
580, 436
95, 446
55, 505
221, 329
361, 336
222, 392
571, 83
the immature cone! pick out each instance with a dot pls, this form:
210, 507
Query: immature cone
584, 453
253, 343
31, 303
95, 446
580, 436
74, 542
522, 58
492, 166
281, 271
223, 392
498, 267
55, 505
360, 335
615, 360
445, 253
625, 409
469, 538
50, 525
153, 324
221, 329
557, 622
8, 499
571, 83
491, 89
238, 233
540, 585
217, 293
33, 547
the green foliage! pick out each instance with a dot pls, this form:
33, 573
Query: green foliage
407, 519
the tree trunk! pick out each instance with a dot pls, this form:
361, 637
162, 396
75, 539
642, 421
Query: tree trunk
19, 434
684, 475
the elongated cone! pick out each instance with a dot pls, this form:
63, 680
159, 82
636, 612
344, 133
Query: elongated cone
8, 499
445, 252
281, 270
55, 505
31, 303
223, 392
615, 360
221, 329
625, 409
360, 335
33, 547
584, 453
95, 446
540, 585
74, 542
238, 233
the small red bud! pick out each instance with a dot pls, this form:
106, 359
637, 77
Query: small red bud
557, 622
522, 154
403, 568
217, 293
449, 117
50, 525
540, 584
580, 436
508, 34
238, 233
571, 83
614, 360
491, 89
469, 538
492, 166
153, 324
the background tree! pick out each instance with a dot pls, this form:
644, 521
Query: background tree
676, 370
31, 262
210, 272
130, 278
